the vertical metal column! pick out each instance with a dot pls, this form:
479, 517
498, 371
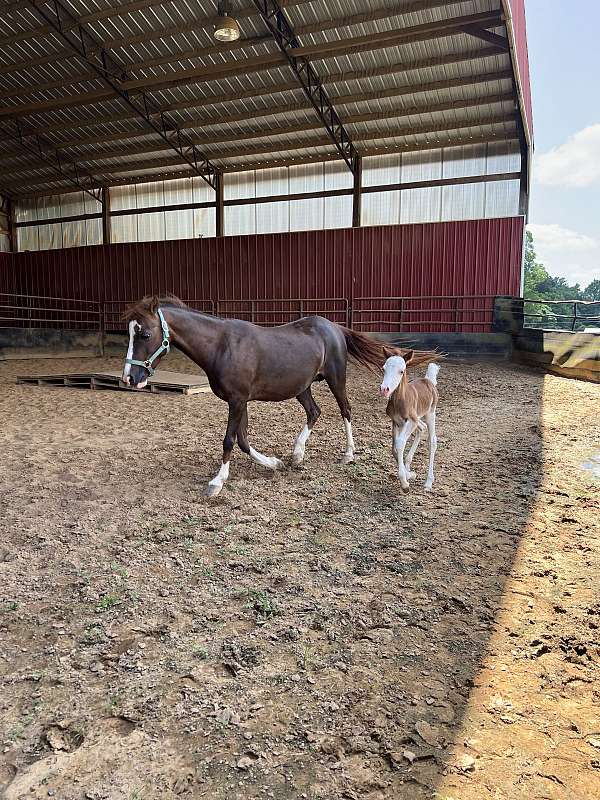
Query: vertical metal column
106, 219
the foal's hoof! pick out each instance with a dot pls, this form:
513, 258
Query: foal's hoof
212, 490
411, 475
348, 458
428, 487
276, 464
297, 461
405, 487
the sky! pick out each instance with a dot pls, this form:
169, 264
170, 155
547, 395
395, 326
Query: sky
564, 59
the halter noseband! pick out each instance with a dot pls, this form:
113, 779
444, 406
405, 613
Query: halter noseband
164, 347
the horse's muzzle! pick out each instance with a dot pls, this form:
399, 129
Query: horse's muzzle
384, 391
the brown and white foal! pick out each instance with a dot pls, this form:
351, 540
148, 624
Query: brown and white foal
411, 406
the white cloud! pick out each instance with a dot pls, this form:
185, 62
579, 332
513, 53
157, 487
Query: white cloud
555, 237
567, 253
576, 163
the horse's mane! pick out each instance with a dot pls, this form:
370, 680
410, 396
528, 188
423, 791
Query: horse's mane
146, 307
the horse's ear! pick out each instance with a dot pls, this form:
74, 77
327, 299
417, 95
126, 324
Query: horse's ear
408, 356
154, 304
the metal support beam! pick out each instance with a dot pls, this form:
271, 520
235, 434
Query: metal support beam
501, 42
220, 209
357, 194
307, 77
13, 240
84, 44
106, 228
43, 151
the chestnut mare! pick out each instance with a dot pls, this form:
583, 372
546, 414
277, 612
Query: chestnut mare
246, 362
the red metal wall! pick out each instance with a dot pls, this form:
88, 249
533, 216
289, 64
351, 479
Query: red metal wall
7, 273
452, 258
517, 10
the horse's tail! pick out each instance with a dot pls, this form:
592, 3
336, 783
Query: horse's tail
372, 353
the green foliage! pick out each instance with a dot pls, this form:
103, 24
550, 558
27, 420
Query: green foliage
540, 285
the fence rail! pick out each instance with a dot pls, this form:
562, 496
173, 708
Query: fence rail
453, 313
545, 318
420, 313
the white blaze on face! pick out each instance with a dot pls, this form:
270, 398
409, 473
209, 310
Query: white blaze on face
134, 327
393, 370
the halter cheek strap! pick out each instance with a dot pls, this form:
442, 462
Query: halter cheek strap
164, 347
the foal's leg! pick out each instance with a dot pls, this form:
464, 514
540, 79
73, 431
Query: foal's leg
235, 416
337, 384
430, 420
264, 461
418, 434
307, 401
401, 440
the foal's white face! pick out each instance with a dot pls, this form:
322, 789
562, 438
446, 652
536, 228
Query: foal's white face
393, 370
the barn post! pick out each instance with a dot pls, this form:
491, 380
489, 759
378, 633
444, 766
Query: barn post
106, 219
357, 192
220, 208
13, 241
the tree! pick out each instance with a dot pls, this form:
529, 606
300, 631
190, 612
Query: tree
592, 291
535, 273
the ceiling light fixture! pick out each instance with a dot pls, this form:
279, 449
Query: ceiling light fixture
226, 27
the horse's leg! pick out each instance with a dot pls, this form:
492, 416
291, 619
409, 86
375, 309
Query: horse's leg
271, 463
336, 380
236, 413
430, 420
407, 464
401, 440
307, 401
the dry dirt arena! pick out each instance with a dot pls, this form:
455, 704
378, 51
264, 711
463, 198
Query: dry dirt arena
308, 634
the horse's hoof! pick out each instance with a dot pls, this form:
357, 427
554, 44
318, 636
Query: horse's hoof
297, 463
411, 475
428, 487
277, 464
348, 458
405, 487
212, 490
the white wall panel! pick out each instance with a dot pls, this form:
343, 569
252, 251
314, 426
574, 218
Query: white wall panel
469, 201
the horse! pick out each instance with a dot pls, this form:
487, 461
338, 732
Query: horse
245, 362
409, 403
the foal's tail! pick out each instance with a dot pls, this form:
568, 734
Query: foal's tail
373, 353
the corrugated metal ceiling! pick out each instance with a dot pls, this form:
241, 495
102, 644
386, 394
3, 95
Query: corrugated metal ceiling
247, 107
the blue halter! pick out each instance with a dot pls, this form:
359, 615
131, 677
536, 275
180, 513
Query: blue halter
164, 348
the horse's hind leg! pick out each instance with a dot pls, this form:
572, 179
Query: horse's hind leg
307, 401
337, 383
236, 413
265, 461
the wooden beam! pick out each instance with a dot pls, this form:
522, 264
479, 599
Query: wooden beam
288, 162
290, 108
159, 34
220, 210
254, 91
259, 149
501, 42
283, 198
106, 227
357, 195
333, 49
262, 133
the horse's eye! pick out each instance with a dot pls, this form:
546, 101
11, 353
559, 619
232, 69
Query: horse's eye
145, 335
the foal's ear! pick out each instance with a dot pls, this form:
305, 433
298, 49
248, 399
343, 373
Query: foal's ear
154, 304
408, 356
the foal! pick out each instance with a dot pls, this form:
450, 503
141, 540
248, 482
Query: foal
409, 404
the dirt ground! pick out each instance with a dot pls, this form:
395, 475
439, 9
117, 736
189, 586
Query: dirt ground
308, 634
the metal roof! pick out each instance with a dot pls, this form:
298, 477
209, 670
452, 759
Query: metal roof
402, 75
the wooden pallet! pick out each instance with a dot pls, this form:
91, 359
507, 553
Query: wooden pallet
160, 383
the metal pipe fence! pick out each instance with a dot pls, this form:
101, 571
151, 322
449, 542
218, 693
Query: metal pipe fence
541, 314
419, 313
